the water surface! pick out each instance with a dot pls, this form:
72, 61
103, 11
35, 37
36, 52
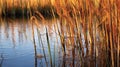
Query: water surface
17, 43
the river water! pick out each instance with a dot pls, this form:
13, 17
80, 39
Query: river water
17, 40
49, 43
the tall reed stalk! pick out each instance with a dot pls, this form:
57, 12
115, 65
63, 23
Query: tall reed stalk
49, 49
42, 44
34, 43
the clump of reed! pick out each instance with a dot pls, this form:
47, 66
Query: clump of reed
92, 29
97, 23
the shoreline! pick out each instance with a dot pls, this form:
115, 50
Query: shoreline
19, 12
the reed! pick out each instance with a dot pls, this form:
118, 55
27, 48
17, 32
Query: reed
0, 7
35, 49
99, 20
40, 39
49, 49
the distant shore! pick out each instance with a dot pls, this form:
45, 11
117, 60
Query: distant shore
26, 9
18, 12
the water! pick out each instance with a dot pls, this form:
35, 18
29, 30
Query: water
26, 43
17, 45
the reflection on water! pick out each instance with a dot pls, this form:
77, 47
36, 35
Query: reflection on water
25, 44
22, 44
51, 43
15, 44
